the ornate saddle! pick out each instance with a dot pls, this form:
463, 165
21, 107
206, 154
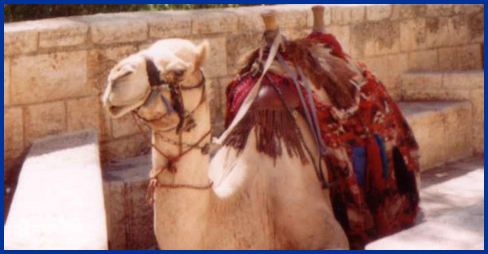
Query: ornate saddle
273, 98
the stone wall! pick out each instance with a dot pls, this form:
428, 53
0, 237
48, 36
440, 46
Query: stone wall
55, 70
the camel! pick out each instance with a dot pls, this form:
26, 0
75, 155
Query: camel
239, 200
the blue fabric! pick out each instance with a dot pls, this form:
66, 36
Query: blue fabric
384, 156
359, 164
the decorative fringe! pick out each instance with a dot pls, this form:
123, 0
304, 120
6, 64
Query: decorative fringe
271, 128
375, 183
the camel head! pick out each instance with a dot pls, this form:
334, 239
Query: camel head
146, 81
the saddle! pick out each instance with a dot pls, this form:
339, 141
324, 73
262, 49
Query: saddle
269, 99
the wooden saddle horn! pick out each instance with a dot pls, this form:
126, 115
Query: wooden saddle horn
318, 19
271, 26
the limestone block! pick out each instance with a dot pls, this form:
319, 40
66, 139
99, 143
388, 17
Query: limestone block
214, 99
130, 217
413, 35
479, 139
378, 12
126, 147
459, 132
397, 65
61, 32
423, 60
208, 22
448, 59
424, 33
216, 65
58, 203
109, 29
470, 57
436, 10
105, 126
466, 29
6, 79
101, 61
171, 26
327, 17
290, 17
348, 14
44, 120
463, 80
420, 81
146, 45
13, 131
437, 32
468, 8
123, 127
379, 66
374, 39
241, 46
19, 38
427, 123
84, 114
429, 132
249, 21
478, 101
408, 11
49, 77
293, 34
436, 95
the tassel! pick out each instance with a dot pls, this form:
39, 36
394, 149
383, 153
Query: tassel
359, 163
374, 178
384, 156
375, 187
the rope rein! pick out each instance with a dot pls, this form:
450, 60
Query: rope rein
173, 160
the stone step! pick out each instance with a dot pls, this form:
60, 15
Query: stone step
443, 130
58, 203
130, 217
452, 211
451, 86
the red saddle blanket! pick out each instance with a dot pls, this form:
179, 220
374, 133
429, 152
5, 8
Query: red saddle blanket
372, 167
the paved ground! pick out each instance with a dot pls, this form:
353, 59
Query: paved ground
452, 202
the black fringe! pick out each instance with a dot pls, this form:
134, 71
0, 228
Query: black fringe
405, 178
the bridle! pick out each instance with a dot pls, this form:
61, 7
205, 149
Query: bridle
186, 123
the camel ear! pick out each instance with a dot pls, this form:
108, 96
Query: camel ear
202, 54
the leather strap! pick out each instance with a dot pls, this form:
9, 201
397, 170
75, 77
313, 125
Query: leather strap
311, 117
254, 92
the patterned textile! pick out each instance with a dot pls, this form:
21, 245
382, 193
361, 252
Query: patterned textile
388, 201
372, 166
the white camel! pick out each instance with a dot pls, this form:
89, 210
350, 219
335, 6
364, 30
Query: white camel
255, 202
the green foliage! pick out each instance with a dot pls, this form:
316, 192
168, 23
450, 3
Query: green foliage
20, 12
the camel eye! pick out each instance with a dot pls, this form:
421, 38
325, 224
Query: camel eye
179, 73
